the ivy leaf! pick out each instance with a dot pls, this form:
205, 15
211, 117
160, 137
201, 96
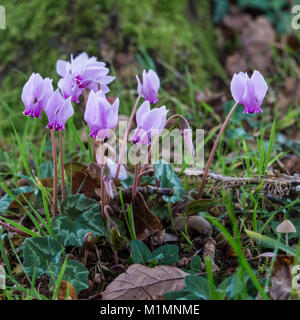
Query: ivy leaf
140, 252
41, 253
168, 179
80, 215
169, 252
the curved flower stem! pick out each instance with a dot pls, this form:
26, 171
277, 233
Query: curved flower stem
136, 171
11, 228
103, 202
94, 149
62, 171
126, 136
54, 155
152, 146
213, 151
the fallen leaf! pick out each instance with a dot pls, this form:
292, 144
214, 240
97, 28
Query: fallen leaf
145, 221
281, 277
64, 289
84, 179
143, 283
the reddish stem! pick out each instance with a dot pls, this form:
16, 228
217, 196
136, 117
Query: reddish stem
213, 151
7, 226
94, 149
54, 155
62, 171
136, 171
124, 142
152, 146
103, 202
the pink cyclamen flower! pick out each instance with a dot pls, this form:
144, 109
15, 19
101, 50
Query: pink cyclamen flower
149, 88
35, 95
149, 123
100, 115
69, 88
85, 72
58, 111
249, 92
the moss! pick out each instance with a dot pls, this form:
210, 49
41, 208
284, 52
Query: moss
178, 32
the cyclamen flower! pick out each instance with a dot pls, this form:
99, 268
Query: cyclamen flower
100, 115
249, 92
58, 111
35, 95
149, 123
149, 89
69, 88
85, 72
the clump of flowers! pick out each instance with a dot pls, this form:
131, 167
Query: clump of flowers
87, 77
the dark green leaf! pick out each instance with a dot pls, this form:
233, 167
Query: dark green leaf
77, 274
168, 179
169, 252
79, 216
41, 253
140, 253
196, 264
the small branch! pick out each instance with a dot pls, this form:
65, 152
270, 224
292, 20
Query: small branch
147, 190
283, 185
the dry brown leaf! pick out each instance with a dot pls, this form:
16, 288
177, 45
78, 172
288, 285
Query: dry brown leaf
66, 287
143, 283
282, 277
84, 179
145, 222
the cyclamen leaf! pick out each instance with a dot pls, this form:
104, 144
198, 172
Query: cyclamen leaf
80, 215
140, 252
41, 253
168, 179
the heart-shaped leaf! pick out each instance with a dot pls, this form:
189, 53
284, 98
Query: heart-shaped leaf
77, 274
169, 252
140, 252
41, 253
80, 215
168, 179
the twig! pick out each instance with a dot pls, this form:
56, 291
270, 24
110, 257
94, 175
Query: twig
277, 186
144, 190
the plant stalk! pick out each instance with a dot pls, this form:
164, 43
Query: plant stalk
136, 171
213, 151
62, 171
54, 155
124, 142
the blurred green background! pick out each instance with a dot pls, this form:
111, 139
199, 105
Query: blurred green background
177, 37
